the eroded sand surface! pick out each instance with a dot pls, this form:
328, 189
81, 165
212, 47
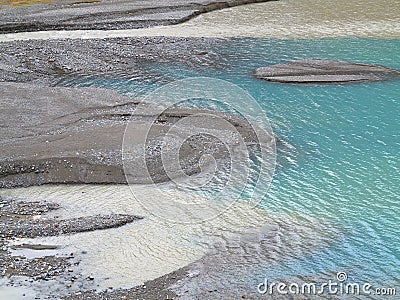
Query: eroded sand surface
69, 135
287, 19
104, 14
217, 251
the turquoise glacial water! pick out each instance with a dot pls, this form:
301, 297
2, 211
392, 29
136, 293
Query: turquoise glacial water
340, 163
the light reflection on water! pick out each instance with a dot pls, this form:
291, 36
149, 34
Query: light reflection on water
334, 199
149, 248
339, 162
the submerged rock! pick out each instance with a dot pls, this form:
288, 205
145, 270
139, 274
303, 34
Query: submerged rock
323, 71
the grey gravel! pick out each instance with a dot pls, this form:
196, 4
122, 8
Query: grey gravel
16, 221
107, 14
58, 62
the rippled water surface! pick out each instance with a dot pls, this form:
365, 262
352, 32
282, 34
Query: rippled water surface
341, 161
334, 201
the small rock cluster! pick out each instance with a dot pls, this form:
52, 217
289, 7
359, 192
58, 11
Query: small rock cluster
19, 219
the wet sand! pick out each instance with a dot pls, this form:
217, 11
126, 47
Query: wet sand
210, 257
68, 135
21, 219
105, 14
285, 19
27, 162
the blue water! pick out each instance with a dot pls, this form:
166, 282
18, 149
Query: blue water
342, 163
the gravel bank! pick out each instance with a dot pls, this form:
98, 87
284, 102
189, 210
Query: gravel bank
107, 14
159, 288
69, 135
51, 62
20, 219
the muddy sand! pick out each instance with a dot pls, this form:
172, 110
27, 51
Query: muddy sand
74, 135
105, 14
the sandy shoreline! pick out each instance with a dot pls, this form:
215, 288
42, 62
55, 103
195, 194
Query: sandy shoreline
55, 140
21, 219
74, 135
106, 14
289, 19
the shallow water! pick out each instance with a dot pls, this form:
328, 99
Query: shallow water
299, 19
149, 248
334, 202
15, 292
340, 162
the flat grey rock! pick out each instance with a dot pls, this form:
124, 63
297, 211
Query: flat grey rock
307, 71
75, 135
106, 14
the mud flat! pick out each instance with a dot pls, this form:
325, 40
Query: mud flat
106, 14
21, 219
70, 135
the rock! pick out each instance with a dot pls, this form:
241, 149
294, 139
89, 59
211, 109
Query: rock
35, 247
311, 70
86, 127
116, 14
